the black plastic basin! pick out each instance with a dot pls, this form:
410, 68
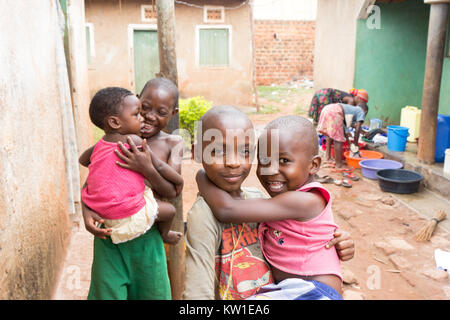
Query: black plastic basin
399, 180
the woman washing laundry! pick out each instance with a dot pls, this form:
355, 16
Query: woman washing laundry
332, 125
328, 96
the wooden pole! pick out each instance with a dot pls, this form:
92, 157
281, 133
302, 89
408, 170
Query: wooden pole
432, 81
254, 84
165, 11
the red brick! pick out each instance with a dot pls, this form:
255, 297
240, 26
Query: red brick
289, 56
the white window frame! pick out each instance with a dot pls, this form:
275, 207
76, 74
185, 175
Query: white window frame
143, 18
90, 27
131, 29
197, 43
205, 14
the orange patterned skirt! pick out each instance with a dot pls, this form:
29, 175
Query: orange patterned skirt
331, 122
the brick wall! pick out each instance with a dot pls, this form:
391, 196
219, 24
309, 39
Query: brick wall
284, 50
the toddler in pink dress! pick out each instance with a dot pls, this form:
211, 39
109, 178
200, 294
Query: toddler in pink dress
118, 195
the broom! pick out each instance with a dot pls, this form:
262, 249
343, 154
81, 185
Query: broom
428, 229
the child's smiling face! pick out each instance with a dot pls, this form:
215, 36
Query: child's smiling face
227, 159
157, 110
286, 166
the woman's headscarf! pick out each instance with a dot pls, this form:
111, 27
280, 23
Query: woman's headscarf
360, 93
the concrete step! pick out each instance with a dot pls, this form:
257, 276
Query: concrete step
434, 177
424, 202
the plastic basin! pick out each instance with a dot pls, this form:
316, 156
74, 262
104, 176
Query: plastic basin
370, 167
399, 180
365, 154
345, 147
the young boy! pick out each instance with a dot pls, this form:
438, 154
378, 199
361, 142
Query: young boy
297, 220
212, 246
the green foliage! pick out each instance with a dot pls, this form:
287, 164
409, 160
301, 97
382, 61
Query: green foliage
98, 133
192, 110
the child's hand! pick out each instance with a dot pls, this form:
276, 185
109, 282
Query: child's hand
178, 189
90, 218
201, 179
345, 247
136, 160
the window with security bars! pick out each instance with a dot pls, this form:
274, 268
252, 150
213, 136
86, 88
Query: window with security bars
214, 46
148, 13
213, 14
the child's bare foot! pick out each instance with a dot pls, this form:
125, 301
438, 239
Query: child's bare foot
342, 168
172, 237
329, 163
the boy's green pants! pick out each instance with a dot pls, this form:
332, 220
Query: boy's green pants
132, 270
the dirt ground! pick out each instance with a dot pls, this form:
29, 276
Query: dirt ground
388, 263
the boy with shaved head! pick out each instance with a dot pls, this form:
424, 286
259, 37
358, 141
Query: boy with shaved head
224, 260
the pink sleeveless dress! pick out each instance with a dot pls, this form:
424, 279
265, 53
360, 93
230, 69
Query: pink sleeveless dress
299, 247
112, 191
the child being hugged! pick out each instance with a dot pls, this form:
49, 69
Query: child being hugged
159, 99
125, 204
296, 222
162, 151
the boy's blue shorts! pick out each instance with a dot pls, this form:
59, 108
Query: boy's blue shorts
297, 289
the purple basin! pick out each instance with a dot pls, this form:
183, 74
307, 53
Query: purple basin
370, 167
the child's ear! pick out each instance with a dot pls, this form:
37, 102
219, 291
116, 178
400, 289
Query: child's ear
315, 165
113, 122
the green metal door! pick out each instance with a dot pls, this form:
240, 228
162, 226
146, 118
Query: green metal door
146, 57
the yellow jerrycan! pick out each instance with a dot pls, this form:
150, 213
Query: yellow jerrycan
410, 118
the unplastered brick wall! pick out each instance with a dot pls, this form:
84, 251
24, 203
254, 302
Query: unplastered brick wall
284, 51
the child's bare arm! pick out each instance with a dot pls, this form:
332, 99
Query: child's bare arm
175, 161
85, 158
90, 217
172, 169
136, 140
168, 173
300, 206
265, 210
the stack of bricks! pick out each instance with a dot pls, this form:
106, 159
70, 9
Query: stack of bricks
284, 51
